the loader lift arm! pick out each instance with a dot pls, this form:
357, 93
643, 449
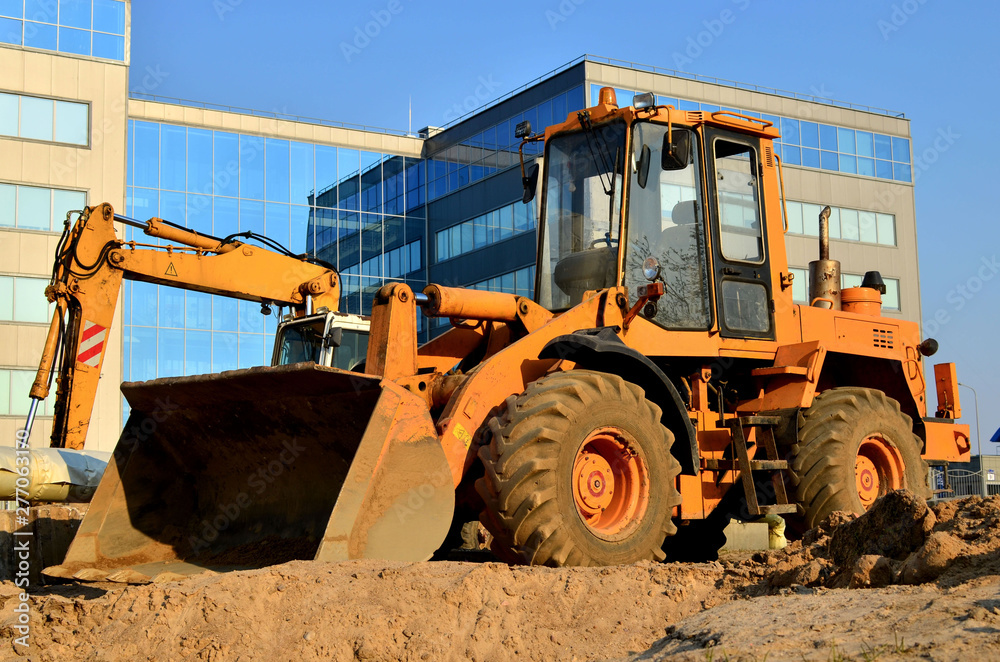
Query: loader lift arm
91, 262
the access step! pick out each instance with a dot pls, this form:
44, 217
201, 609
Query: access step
755, 465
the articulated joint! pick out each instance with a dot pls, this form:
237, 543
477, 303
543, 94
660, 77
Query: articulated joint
320, 284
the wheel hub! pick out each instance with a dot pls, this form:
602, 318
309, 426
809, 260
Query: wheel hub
878, 469
596, 483
610, 483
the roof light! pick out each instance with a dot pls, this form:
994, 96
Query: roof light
607, 97
523, 129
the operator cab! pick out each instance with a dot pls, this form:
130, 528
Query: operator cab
693, 203
334, 340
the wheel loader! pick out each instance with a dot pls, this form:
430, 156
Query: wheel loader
660, 372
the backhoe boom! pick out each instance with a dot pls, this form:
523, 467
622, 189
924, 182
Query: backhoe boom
91, 262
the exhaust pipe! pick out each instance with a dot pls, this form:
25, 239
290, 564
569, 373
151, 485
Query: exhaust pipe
824, 273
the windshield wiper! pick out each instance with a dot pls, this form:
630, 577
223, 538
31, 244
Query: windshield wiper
611, 197
602, 163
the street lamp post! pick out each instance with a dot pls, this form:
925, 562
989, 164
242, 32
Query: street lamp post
979, 437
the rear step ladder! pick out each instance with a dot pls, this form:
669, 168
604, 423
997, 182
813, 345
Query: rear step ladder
746, 466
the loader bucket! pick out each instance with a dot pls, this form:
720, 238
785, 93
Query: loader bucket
251, 468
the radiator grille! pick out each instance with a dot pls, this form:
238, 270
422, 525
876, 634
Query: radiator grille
882, 338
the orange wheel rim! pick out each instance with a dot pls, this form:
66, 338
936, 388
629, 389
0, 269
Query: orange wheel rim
610, 483
878, 469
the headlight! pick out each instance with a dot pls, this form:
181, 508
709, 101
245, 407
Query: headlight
651, 268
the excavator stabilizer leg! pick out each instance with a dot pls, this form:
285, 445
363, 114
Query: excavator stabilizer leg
251, 468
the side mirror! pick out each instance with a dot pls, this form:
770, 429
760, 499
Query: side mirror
643, 170
676, 155
530, 182
334, 337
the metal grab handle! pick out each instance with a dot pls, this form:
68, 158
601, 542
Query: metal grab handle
756, 120
829, 301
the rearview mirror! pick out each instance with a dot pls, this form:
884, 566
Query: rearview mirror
642, 173
334, 337
530, 182
676, 155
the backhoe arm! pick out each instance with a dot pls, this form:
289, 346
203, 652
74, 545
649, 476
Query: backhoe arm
90, 264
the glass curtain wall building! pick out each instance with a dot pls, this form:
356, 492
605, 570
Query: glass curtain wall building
346, 206
80, 27
63, 100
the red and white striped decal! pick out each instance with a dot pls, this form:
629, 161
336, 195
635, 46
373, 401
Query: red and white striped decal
91, 343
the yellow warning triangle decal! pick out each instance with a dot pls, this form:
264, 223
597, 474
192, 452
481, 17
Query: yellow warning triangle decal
170, 270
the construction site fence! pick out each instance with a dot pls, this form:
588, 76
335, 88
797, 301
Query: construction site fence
957, 483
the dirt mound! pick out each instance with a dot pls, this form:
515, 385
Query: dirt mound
375, 610
820, 625
779, 604
900, 540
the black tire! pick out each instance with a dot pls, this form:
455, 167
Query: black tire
831, 432
531, 457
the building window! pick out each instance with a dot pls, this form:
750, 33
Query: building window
846, 224
811, 144
37, 208
800, 287
402, 260
14, 388
496, 148
520, 282
82, 27
49, 120
484, 230
22, 299
890, 300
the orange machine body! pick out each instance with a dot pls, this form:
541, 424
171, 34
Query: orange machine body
813, 348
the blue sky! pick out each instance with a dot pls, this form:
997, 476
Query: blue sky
935, 61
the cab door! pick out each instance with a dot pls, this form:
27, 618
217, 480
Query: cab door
742, 279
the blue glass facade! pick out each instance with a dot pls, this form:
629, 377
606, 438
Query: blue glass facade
82, 27
222, 183
371, 223
813, 144
495, 148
